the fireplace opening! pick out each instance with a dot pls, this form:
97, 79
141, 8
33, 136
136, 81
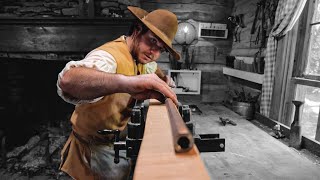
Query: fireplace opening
34, 119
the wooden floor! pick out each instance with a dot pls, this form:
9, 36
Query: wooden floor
250, 153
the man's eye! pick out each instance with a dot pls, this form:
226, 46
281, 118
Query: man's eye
153, 41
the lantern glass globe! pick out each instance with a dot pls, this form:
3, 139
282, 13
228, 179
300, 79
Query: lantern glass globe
186, 33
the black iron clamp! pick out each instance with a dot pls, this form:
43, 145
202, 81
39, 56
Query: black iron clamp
204, 142
136, 125
135, 133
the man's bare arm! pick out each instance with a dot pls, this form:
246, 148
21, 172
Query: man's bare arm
85, 83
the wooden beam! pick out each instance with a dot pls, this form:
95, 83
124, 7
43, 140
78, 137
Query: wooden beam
306, 82
157, 158
228, 3
58, 35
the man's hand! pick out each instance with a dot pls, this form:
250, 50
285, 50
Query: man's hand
148, 86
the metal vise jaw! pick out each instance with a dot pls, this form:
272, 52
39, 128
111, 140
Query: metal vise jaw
135, 133
204, 142
185, 113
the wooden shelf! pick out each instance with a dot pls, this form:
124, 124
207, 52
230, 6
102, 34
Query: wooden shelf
249, 76
187, 81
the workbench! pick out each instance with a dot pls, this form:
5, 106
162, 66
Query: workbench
250, 152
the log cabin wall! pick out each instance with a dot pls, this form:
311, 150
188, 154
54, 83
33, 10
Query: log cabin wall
65, 8
209, 54
60, 29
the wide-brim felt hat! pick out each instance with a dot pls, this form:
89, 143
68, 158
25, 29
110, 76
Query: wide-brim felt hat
162, 23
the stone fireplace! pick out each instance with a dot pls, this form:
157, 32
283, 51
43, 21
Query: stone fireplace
34, 119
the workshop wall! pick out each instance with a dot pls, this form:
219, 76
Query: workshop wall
251, 22
208, 54
60, 29
66, 8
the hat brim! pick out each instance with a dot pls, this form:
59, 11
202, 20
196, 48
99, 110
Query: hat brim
137, 12
140, 14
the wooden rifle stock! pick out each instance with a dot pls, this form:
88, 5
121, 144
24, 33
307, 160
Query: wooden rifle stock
157, 158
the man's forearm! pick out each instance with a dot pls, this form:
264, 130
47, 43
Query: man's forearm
85, 83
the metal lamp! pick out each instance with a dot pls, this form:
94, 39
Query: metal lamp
185, 36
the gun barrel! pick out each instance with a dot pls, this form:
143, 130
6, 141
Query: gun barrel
182, 137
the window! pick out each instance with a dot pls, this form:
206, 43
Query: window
313, 58
306, 78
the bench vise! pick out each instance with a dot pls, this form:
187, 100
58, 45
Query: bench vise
136, 125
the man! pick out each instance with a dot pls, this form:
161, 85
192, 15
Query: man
103, 87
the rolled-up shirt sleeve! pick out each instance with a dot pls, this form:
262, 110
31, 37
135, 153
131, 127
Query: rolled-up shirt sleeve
96, 59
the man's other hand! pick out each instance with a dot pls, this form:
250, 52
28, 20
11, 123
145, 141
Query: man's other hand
169, 81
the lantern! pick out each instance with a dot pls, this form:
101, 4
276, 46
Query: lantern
185, 35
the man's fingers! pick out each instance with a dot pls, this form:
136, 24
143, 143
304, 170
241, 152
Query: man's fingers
153, 94
151, 83
163, 88
157, 95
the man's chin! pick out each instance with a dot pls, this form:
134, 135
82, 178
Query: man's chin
144, 61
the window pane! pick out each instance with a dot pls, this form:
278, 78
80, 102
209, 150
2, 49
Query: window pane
313, 64
316, 15
309, 117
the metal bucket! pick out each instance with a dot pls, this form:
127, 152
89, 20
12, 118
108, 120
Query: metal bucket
245, 110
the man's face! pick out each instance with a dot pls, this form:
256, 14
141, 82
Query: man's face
148, 48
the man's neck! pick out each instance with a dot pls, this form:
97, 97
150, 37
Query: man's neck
129, 42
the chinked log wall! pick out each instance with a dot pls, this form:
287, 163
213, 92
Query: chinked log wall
209, 54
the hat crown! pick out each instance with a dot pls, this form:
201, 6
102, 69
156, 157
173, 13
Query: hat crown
165, 21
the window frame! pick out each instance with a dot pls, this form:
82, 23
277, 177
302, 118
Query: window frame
298, 78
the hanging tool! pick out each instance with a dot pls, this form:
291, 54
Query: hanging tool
237, 32
259, 15
256, 41
253, 28
237, 21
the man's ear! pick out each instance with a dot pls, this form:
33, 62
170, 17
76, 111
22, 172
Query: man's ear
138, 29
